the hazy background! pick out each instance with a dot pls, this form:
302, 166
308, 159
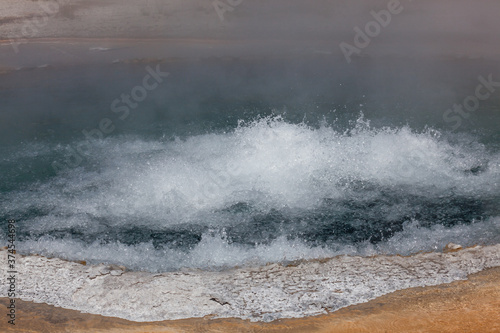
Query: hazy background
425, 27
263, 57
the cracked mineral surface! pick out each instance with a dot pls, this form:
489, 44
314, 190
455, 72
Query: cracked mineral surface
256, 293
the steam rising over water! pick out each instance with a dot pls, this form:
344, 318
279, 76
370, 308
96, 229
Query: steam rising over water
268, 190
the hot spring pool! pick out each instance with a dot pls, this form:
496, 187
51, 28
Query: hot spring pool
230, 163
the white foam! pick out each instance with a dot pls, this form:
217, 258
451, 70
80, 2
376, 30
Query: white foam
274, 164
268, 160
214, 252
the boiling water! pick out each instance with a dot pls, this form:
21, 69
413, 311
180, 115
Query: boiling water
255, 185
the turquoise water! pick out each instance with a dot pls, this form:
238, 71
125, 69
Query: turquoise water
231, 162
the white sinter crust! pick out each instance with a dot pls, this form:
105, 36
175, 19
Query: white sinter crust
257, 293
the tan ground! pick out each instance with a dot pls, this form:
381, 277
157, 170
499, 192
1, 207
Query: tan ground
423, 28
464, 306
